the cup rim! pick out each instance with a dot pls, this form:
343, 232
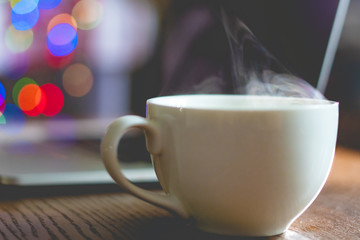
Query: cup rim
269, 103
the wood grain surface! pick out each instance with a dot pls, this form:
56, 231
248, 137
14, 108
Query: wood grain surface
100, 213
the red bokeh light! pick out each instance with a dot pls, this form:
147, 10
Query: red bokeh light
58, 62
54, 99
2, 108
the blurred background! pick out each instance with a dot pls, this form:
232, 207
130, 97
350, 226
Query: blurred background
66, 61
90, 59
344, 82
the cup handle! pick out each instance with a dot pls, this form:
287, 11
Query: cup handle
109, 146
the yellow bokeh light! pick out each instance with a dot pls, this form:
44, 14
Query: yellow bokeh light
14, 2
87, 13
18, 41
77, 80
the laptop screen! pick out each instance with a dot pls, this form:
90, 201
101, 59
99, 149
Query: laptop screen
301, 35
66, 65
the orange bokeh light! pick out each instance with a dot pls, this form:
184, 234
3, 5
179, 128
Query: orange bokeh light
32, 100
62, 18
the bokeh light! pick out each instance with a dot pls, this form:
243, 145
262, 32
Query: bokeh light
31, 100
18, 41
88, 14
62, 18
62, 39
34, 100
54, 99
21, 45
2, 108
25, 14
48, 4
2, 119
77, 80
58, 62
19, 85
2, 95
14, 120
136, 22
2, 103
14, 2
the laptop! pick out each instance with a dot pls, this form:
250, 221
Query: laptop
110, 62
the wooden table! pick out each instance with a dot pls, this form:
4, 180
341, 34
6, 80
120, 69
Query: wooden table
104, 212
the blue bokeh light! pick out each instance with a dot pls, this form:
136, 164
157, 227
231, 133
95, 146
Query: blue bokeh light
13, 120
2, 94
48, 4
62, 39
25, 14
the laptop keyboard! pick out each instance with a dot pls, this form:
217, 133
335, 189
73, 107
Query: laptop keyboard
71, 153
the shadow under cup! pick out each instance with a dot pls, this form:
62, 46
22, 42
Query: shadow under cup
239, 165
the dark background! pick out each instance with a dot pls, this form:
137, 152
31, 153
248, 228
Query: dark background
279, 25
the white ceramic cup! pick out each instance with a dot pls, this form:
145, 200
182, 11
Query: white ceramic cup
236, 165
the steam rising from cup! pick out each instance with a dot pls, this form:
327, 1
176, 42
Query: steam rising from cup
254, 70
223, 56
